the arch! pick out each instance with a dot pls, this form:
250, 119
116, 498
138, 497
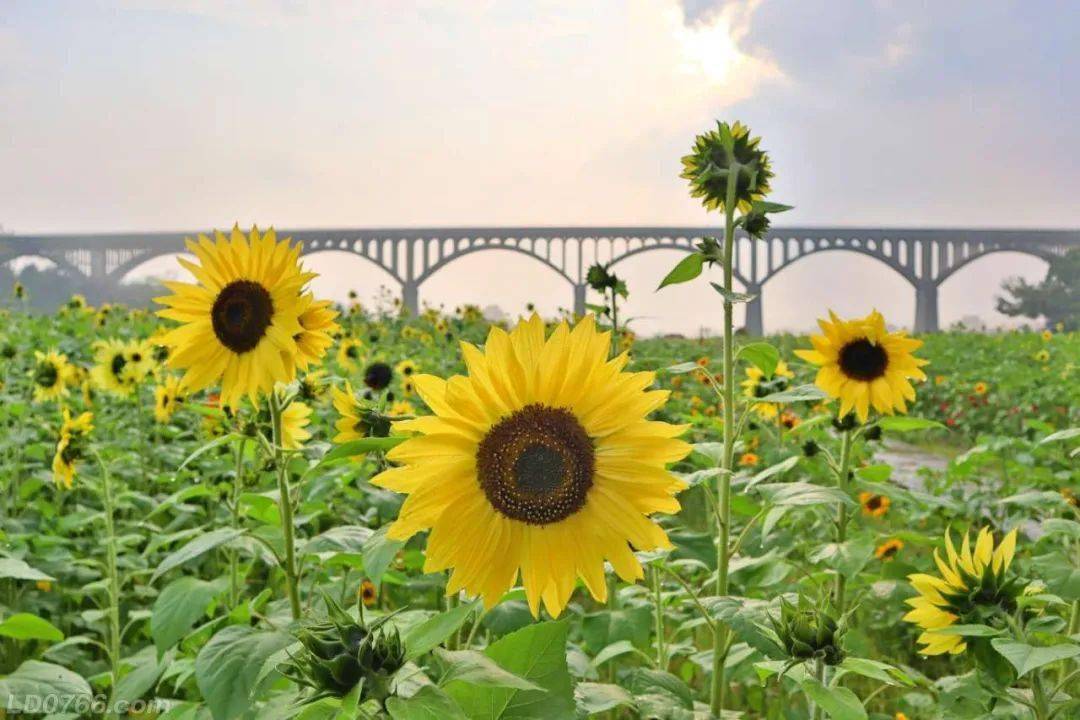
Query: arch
674, 244
62, 264
350, 249
973, 293
479, 244
135, 265
848, 248
1032, 250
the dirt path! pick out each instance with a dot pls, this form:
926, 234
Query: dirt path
907, 460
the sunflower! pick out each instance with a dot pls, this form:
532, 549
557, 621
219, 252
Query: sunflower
980, 388
1047, 335
540, 460
717, 153
117, 370
294, 421
318, 326
888, 549
241, 318
70, 446
873, 504
972, 583
402, 407
355, 421
749, 460
1042, 356
50, 375
368, 593
312, 385
757, 385
168, 397
378, 375
406, 368
864, 364
348, 354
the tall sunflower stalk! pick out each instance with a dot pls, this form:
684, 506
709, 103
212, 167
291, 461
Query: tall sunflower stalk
728, 170
292, 579
112, 572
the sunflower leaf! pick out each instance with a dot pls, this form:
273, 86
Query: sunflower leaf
684, 271
907, 423
1026, 658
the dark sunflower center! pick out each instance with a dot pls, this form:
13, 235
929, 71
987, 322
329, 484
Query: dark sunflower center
46, 375
241, 314
863, 360
873, 503
536, 465
117, 364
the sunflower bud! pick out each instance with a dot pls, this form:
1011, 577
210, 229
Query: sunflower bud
340, 652
719, 153
809, 632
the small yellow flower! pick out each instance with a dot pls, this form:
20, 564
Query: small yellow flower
349, 354
44, 585
167, 398
980, 388
1047, 335
368, 593
406, 368
888, 549
749, 460
873, 504
939, 380
1042, 356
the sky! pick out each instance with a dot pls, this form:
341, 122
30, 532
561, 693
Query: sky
130, 115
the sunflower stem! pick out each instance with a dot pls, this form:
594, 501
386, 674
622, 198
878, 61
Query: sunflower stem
720, 633
238, 485
819, 673
285, 498
658, 611
842, 514
111, 569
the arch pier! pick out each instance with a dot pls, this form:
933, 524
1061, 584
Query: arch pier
923, 257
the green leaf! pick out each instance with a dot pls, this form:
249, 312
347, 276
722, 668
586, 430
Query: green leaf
684, 271
537, 653
362, 446
34, 681
431, 633
1061, 526
907, 423
199, 546
1067, 434
207, 447
227, 667
803, 493
379, 552
762, 355
1026, 658
802, 393
779, 468
474, 668
839, 702
874, 473
1033, 498
26, 626
683, 368
643, 681
19, 570
177, 608
142, 678
877, 670
732, 297
594, 698
429, 703
764, 206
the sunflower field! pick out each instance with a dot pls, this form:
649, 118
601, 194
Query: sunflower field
248, 502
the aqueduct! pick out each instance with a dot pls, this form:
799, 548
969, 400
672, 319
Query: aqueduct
924, 257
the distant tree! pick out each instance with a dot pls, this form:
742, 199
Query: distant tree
1056, 298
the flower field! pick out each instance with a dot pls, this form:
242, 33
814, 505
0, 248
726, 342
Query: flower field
254, 504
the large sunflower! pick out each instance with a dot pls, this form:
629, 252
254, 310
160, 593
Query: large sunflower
865, 365
972, 584
540, 460
241, 318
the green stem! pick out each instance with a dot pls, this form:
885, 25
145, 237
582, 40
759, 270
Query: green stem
720, 634
285, 498
842, 515
819, 673
238, 486
111, 568
658, 612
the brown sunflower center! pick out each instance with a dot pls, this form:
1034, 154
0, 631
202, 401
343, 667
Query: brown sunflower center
241, 314
536, 465
863, 360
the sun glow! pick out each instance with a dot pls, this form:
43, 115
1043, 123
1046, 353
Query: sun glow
710, 49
